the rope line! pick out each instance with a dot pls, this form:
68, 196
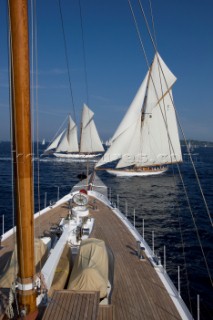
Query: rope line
195, 171
153, 24
85, 78
139, 34
67, 60
195, 225
35, 42
170, 144
11, 144
84, 54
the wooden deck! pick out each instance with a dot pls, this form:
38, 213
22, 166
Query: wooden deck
42, 227
106, 312
137, 290
73, 305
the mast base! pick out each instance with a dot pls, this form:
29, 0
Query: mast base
31, 315
27, 304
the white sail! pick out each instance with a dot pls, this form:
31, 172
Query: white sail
151, 136
90, 140
161, 79
124, 134
119, 147
55, 142
69, 142
134, 109
157, 140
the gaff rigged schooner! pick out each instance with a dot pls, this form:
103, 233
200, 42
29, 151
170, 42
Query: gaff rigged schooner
65, 145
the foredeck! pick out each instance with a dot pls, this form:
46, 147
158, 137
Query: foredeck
138, 292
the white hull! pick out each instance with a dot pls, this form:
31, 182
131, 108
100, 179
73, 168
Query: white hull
134, 173
76, 155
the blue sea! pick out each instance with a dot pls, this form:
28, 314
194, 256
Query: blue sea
158, 201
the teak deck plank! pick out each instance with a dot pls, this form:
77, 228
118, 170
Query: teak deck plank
105, 312
138, 292
68, 304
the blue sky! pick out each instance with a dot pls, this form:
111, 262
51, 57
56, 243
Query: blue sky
115, 64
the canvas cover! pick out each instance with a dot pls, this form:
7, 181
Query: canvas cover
9, 272
90, 271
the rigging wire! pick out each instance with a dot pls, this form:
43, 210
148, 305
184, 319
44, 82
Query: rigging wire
185, 191
84, 53
36, 107
139, 34
195, 171
195, 225
86, 87
153, 23
61, 126
187, 198
67, 60
142, 46
11, 143
148, 66
154, 42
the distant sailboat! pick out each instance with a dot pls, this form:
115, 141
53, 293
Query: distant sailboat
108, 143
65, 145
147, 138
43, 142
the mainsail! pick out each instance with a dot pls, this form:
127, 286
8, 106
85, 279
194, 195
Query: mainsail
148, 134
89, 140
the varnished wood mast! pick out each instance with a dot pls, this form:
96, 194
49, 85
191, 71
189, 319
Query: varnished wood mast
22, 155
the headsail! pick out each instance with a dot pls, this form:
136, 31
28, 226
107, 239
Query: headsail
69, 142
134, 110
148, 133
55, 142
90, 140
125, 131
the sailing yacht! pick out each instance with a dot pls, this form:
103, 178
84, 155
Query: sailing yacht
65, 145
147, 138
